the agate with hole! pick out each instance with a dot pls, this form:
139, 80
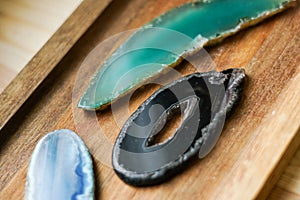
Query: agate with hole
203, 99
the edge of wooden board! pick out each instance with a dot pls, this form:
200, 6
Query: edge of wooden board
269, 170
258, 187
274, 177
48, 57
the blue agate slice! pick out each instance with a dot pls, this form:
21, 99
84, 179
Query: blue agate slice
152, 49
61, 168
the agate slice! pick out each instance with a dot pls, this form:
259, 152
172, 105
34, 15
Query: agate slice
203, 99
152, 49
60, 168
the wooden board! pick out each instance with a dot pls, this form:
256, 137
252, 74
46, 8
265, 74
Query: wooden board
24, 31
257, 141
288, 186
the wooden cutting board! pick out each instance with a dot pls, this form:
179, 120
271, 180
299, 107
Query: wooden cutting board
258, 139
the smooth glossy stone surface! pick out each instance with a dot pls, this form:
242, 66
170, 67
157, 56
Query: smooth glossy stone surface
203, 99
61, 168
165, 40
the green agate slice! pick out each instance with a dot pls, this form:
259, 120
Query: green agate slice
163, 43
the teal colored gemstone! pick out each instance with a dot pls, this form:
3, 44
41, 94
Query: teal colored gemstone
60, 168
164, 41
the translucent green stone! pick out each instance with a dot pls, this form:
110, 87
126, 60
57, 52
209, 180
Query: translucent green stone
165, 40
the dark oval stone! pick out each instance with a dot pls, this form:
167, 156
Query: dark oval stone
203, 99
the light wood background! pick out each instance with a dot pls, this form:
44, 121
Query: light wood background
25, 26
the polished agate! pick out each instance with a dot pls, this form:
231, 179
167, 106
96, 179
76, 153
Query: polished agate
60, 168
167, 39
202, 99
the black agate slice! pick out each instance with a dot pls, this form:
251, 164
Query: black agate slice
202, 99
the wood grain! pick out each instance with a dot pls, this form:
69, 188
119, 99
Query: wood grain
26, 25
48, 57
288, 186
257, 140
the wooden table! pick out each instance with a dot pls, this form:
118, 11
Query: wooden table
25, 31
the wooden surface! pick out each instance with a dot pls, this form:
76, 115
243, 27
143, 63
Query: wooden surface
22, 87
288, 186
26, 25
262, 131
